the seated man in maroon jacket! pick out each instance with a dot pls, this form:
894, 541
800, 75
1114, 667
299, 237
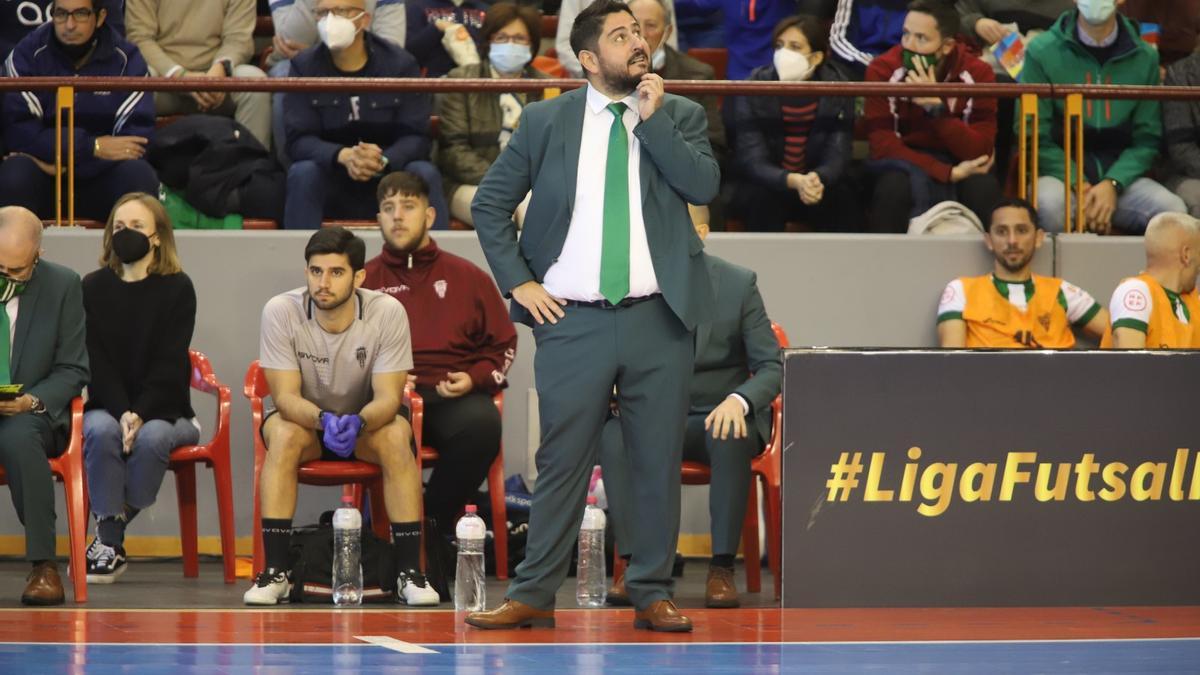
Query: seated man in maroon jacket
462, 341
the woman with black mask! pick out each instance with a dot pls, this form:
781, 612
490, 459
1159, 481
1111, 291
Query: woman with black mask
141, 309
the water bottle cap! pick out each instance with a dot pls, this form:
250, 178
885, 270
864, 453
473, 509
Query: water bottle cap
591, 500
470, 508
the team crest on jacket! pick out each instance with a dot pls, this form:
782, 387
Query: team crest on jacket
439, 287
361, 355
1044, 319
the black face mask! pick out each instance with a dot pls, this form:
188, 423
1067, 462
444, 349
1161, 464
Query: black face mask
130, 245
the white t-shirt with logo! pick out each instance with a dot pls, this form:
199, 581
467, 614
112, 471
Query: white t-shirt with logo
336, 368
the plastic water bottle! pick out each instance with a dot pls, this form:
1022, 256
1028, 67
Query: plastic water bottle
591, 588
470, 593
347, 555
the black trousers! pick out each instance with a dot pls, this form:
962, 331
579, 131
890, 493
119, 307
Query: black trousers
466, 433
893, 199
766, 209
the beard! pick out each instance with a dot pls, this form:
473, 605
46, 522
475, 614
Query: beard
329, 304
1017, 266
619, 78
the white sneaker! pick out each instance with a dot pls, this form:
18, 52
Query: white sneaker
270, 588
415, 591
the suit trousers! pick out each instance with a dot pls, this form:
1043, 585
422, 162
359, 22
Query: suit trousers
26, 440
647, 352
729, 460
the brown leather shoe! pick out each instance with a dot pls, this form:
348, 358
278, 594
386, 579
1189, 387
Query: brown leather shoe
512, 614
617, 595
720, 592
663, 616
44, 587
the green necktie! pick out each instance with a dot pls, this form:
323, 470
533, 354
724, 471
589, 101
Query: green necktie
614, 248
5, 376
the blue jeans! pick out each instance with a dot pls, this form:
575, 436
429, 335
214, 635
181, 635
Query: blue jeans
315, 192
1140, 201
115, 478
278, 135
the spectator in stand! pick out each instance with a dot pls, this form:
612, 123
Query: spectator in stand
928, 149
1095, 44
475, 126
112, 128
1178, 24
864, 29
748, 29
793, 151
1160, 308
296, 29
657, 23
141, 309
1181, 122
566, 18
182, 38
987, 20
18, 19
442, 33
462, 348
342, 144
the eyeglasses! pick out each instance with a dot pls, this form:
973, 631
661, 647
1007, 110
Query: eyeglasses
504, 38
81, 15
344, 12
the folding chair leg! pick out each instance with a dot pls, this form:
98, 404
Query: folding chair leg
750, 551
77, 518
775, 537
185, 489
223, 479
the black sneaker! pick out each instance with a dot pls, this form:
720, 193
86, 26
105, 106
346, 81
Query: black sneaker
105, 564
270, 588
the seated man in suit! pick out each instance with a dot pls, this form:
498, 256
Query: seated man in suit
737, 374
43, 314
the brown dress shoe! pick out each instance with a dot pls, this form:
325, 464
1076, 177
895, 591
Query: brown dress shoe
663, 616
617, 595
512, 614
720, 592
43, 587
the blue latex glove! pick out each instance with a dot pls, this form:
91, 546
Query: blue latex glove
351, 426
339, 442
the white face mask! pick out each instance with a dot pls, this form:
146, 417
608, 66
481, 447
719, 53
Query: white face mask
337, 32
659, 58
792, 66
1097, 12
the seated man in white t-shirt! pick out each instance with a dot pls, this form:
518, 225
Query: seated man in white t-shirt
337, 358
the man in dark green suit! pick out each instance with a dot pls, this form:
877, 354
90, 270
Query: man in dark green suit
608, 273
42, 348
737, 374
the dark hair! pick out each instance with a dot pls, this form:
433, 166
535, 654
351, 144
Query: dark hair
97, 5
943, 13
500, 15
810, 26
337, 240
402, 183
589, 24
1015, 203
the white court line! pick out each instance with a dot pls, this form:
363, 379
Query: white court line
394, 644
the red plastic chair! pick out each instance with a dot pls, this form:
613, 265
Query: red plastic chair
495, 482
215, 454
766, 465
68, 468
353, 475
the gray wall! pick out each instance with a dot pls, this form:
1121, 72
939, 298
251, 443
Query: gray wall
825, 290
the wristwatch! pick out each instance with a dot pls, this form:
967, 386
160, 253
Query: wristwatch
1115, 184
35, 405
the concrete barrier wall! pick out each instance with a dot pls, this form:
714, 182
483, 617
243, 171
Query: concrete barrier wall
833, 290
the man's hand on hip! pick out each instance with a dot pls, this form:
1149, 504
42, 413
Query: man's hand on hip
544, 307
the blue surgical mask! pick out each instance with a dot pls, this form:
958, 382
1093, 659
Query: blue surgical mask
509, 57
1096, 12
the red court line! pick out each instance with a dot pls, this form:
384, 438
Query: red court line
308, 626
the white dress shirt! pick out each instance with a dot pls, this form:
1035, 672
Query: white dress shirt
576, 273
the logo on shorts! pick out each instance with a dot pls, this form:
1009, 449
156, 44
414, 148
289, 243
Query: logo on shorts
439, 287
1135, 301
361, 355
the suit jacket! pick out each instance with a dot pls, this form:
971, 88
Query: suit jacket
680, 66
49, 352
677, 168
736, 353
